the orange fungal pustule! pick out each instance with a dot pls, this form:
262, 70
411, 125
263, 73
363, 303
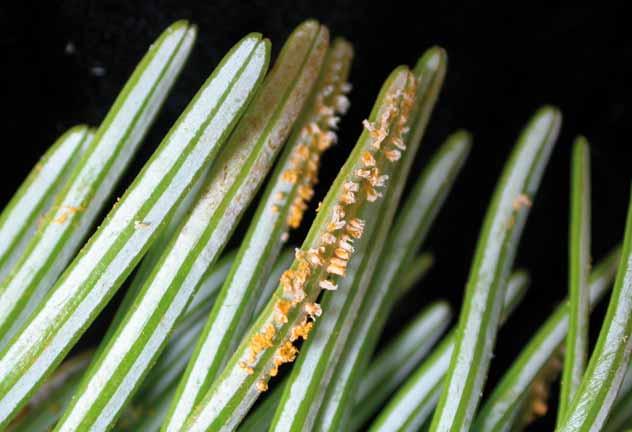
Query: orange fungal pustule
325, 259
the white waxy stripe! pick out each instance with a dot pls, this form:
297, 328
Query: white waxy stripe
221, 397
414, 402
173, 359
132, 378
115, 143
180, 347
210, 347
261, 246
528, 163
178, 254
409, 404
77, 298
286, 89
18, 222
393, 366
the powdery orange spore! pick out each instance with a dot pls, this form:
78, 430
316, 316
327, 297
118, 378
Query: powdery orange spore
521, 201
335, 247
261, 386
301, 331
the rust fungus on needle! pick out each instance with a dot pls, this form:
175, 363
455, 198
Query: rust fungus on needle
262, 386
314, 138
521, 201
301, 331
69, 211
322, 264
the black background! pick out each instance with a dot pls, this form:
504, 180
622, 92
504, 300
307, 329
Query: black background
503, 64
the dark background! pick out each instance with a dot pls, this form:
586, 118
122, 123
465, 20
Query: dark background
64, 62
